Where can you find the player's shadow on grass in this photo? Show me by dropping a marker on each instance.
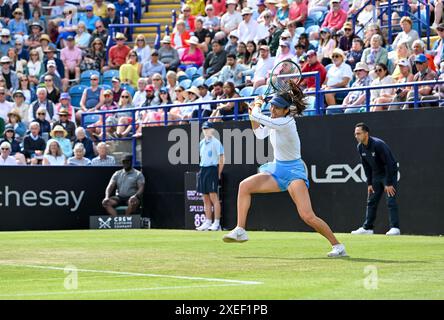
(342, 258)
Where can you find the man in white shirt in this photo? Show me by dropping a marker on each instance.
(231, 19)
(5, 106)
(260, 70)
(248, 28)
(5, 158)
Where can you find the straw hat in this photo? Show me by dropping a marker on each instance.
(58, 128)
(194, 90)
(16, 113)
(193, 40)
(340, 52)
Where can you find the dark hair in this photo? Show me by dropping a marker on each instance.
(383, 66)
(295, 97)
(363, 126)
(262, 42)
(219, 42)
(231, 55)
(359, 40)
(249, 55)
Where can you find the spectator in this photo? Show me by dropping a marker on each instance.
(326, 46)
(193, 95)
(11, 79)
(346, 41)
(21, 53)
(188, 18)
(82, 38)
(285, 53)
(171, 84)
(15, 120)
(5, 42)
(151, 99)
(116, 89)
(400, 94)
(35, 67)
(232, 18)
(215, 60)
(424, 74)
(402, 52)
(192, 56)
(153, 66)
(68, 25)
(96, 57)
(45, 126)
(180, 97)
(100, 8)
(355, 54)
(21, 106)
(142, 49)
(375, 54)
(313, 65)
(9, 137)
(418, 48)
(103, 159)
(407, 35)
(89, 19)
(438, 47)
(275, 36)
(17, 65)
(232, 71)
(17, 26)
(68, 125)
(231, 46)
(129, 185)
(65, 103)
(260, 70)
(5, 106)
(42, 102)
(52, 72)
(168, 55)
(50, 56)
(5, 12)
(225, 111)
(271, 6)
(211, 21)
(217, 90)
(202, 34)
(336, 17)
(100, 32)
(180, 36)
(92, 98)
(252, 54)
(53, 93)
(33, 144)
(5, 158)
(130, 71)
(377, 95)
(370, 31)
(124, 119)
(90, 149)
(59, 134)
(53, 155)
(338, 76)
(24, 7)
(79, 156)
(140, 95)
(248, 28)
(118, 53)
(298, 12)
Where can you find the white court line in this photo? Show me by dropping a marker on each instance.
(112, 290)
(241, 282)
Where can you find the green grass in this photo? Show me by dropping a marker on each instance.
(287, 265)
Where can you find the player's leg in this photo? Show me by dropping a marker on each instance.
(299, 193)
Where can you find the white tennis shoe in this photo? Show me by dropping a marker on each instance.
(238, 234)
(338, 250)
(394, 232)
(215, 227)
(362, 231)
(204, 226)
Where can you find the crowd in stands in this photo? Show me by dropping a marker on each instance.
(219, 49)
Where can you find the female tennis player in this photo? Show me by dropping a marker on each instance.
(287, 172)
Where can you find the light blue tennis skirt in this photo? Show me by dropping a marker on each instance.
(284, 172)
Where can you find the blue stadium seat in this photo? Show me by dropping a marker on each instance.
(105, 86)
(88, 73)
(197, 82)
(90, 119)
(211, 80)
(260, 90)
(128, 88)
(185, 83)
(190, 72)
(76, 95)
(182, 77)
(108, 75)
(200, 71)
(246, 92)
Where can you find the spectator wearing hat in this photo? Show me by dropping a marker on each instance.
(232, 18)
(336, 17)
(215, 60)
(338, 76)
(10, 138)
(438, 46)
(10, 76)
(272, 7)
(17, 26)
(346, 41)
(65, 105)
(5, 155)
(5, 42)
(188, 18)
(168, 55)
(284, 53)
(5, 106)
(232, 71)
(142, 49)
(54, 155)
(354, 55)
(15, 119)
(23, 5)
(59, 134)
(64, 121)
(51, 67)
(79, 158)
(89, 18)
(193, 55)
(153, 66)
(44, 103)
(232, 43)
(50, 55)
(113, 18)
(424, 74)
(212, 21)
(21, 106)
(298, 12)
(33, 144)
(45, 43)
(118, 53)
(282, 11)
(180, 36)
(128, 183)
(129, 72)
(151, 98)
(248, 27)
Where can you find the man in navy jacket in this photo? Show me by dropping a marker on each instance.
(381, 169)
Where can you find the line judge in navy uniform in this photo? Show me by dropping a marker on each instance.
(381, 169)
(211, 166)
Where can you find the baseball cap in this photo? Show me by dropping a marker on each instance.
(111, 6)
(88, 7)
(70, 38)
(149, 87)
(421, 58)
(108, 92)
(264, 47)
(65, 95)
(404, 62)
(115, 79)
(207, 125)
(154, 53)
(311, 53)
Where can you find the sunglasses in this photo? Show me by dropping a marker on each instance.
(23, 79)
(336, 56)
(178, 90)
(359, 70)
(2, 93)
(94, 79)
(125, 97)
(378, 70)
(140, 40)
(157, 79)
(347, 29)
(41, 114)
(4, 149)
(48, 80)
(63, 115)
(5, 36)
(417, 62)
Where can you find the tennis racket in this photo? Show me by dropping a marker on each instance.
(279, 80)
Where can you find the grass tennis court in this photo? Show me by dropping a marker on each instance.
(177, 264)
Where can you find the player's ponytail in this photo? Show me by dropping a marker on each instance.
(296, 98)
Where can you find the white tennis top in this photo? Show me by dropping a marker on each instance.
(283, 134)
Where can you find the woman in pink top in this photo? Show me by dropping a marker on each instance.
(192, 56)
(219, 7)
